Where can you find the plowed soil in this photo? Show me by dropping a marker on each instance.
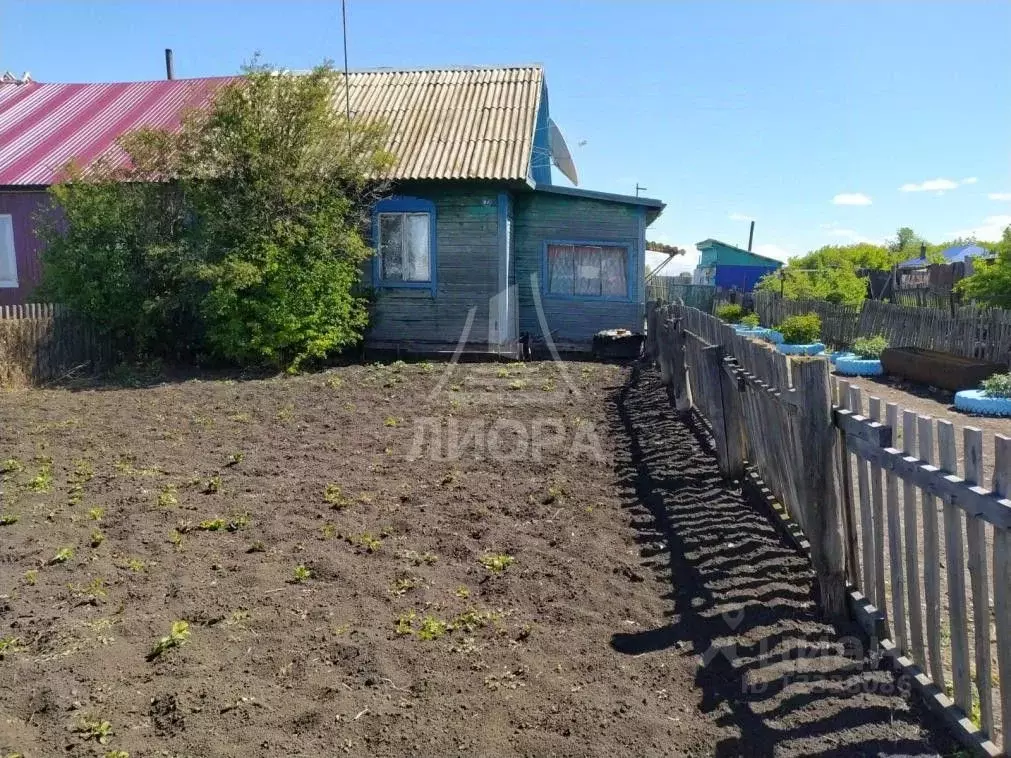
(331, 567)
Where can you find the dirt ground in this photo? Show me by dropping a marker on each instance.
(352, 587)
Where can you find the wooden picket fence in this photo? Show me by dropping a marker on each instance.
(840, 324)
(972, 332)
(941, 622)
(43, 342)
(968, 331)
(839, 475)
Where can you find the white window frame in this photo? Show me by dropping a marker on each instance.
(7, 249)
(403, 249)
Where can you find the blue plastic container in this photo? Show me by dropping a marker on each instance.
(812, 348)
(773, 336)
(977, 401)
(850, 365)
(833, 357)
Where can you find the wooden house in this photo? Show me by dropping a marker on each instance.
(731, 267)
(475, 247)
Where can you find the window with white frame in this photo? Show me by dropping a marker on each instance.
(587, 270)
(405, 247)
(8, 261)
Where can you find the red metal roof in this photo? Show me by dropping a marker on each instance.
(44, 126)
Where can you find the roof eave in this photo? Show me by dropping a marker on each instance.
(611, 197)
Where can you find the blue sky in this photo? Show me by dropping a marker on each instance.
(821, 120)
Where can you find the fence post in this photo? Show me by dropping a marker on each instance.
(678, 370)
(818, 481)
(733, 411)
(665, 349)
(651, 326)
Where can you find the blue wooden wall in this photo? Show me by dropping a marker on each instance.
(468, 244)
(542, 216)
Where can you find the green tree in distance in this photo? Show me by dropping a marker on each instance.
(238, 237)
(990, 283)
(832, 272)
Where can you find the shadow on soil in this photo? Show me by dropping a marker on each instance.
(776, 679)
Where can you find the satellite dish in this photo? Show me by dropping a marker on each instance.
(560, 153)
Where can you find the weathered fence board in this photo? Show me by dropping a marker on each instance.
(776, 412)
(968, 331)
(887, 517)
(979, 575)
(909, 503)
(41, 342)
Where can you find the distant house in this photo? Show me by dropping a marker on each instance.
(475, 246)
(731, 267)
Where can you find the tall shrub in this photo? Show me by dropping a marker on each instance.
(239, 236)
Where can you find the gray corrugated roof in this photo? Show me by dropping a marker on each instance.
(454, 123)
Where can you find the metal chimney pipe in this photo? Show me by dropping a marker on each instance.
(751, 236)
(169, 73)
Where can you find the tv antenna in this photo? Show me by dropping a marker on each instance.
(347, 79)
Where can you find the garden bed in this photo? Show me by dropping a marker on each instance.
(317, 472)
(936, 369)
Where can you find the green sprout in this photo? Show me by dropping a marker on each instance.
(63, 555)
(336, 498)
(178, 634)
(497, 562)
(301, 574)
(432, 628)
(168, 497)
(9, 644)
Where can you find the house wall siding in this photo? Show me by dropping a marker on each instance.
(467, 251)
(22, 206)
(541, 217)
(743, 278)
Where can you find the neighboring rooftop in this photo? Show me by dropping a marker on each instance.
(473, 123)
(44, 126)
(708, 243)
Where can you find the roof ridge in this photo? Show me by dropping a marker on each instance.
(432, 69)
(139, 81)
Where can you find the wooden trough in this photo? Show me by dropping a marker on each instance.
(936, 369)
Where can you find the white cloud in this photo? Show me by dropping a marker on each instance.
(741, 217)
(940, 186)
(851, 198)
(1000, 196)
(989, 231)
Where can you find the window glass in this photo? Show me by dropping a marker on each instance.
(587, 270)
(8, 261)
(391, 245)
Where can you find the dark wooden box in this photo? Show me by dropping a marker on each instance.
(944, 370)
(610, 346)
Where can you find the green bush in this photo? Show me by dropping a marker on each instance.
(732, 313)
(751, 320)
(238, 237)
(869, 347)
(801, 330)
(998, 385)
